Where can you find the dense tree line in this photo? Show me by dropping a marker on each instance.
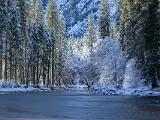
(34, 48)
(32, 42)
(137, 27)
(140, 35)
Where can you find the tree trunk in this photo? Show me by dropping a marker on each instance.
(154, 80)
(15, 73)
(155, 84)
(48, 81)
(37, 75)
(10, 64)
(37, 70)
(53, 65)
(44, 75)
(5, 63)
(27, 74)
(1, 67)
(34, 75)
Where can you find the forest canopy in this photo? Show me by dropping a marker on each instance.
(35, 48)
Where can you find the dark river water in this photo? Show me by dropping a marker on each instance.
(77, 105)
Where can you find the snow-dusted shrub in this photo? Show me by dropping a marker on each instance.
(132, 76)
(80, 65)
(106, 63)
(9, 84)
(74, 61)
(111, 61)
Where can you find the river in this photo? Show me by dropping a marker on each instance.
(77, 105)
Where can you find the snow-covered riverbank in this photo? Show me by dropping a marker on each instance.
(118, 90)
(9, 86)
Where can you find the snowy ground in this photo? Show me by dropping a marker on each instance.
(23, 89)
(9, 86)
(118, 90)
(6, 87)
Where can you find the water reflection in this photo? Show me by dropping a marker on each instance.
(77, 105)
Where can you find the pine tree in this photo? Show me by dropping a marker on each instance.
(139, 34)
(13, 41)
(104, 23)
(131, 22)
(31, 13)
(22, 4)
(126, 28)
(2, 26)
(63, 50)
(90, 35)
(40, 35)
(46, 56)
(52, 17)
(24, 23)
(51, 22)
(37, 40)
(151, 38)
(117, 21)
(159, 40)
(56, 27)
(113, 31)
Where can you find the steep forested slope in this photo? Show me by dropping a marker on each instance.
(76, 13)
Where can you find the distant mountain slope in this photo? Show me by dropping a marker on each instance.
(76, 12)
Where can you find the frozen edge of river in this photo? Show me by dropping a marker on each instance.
(102, 90)
(29, 89)
(42, 88)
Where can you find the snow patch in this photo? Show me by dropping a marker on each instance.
(119, 90)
